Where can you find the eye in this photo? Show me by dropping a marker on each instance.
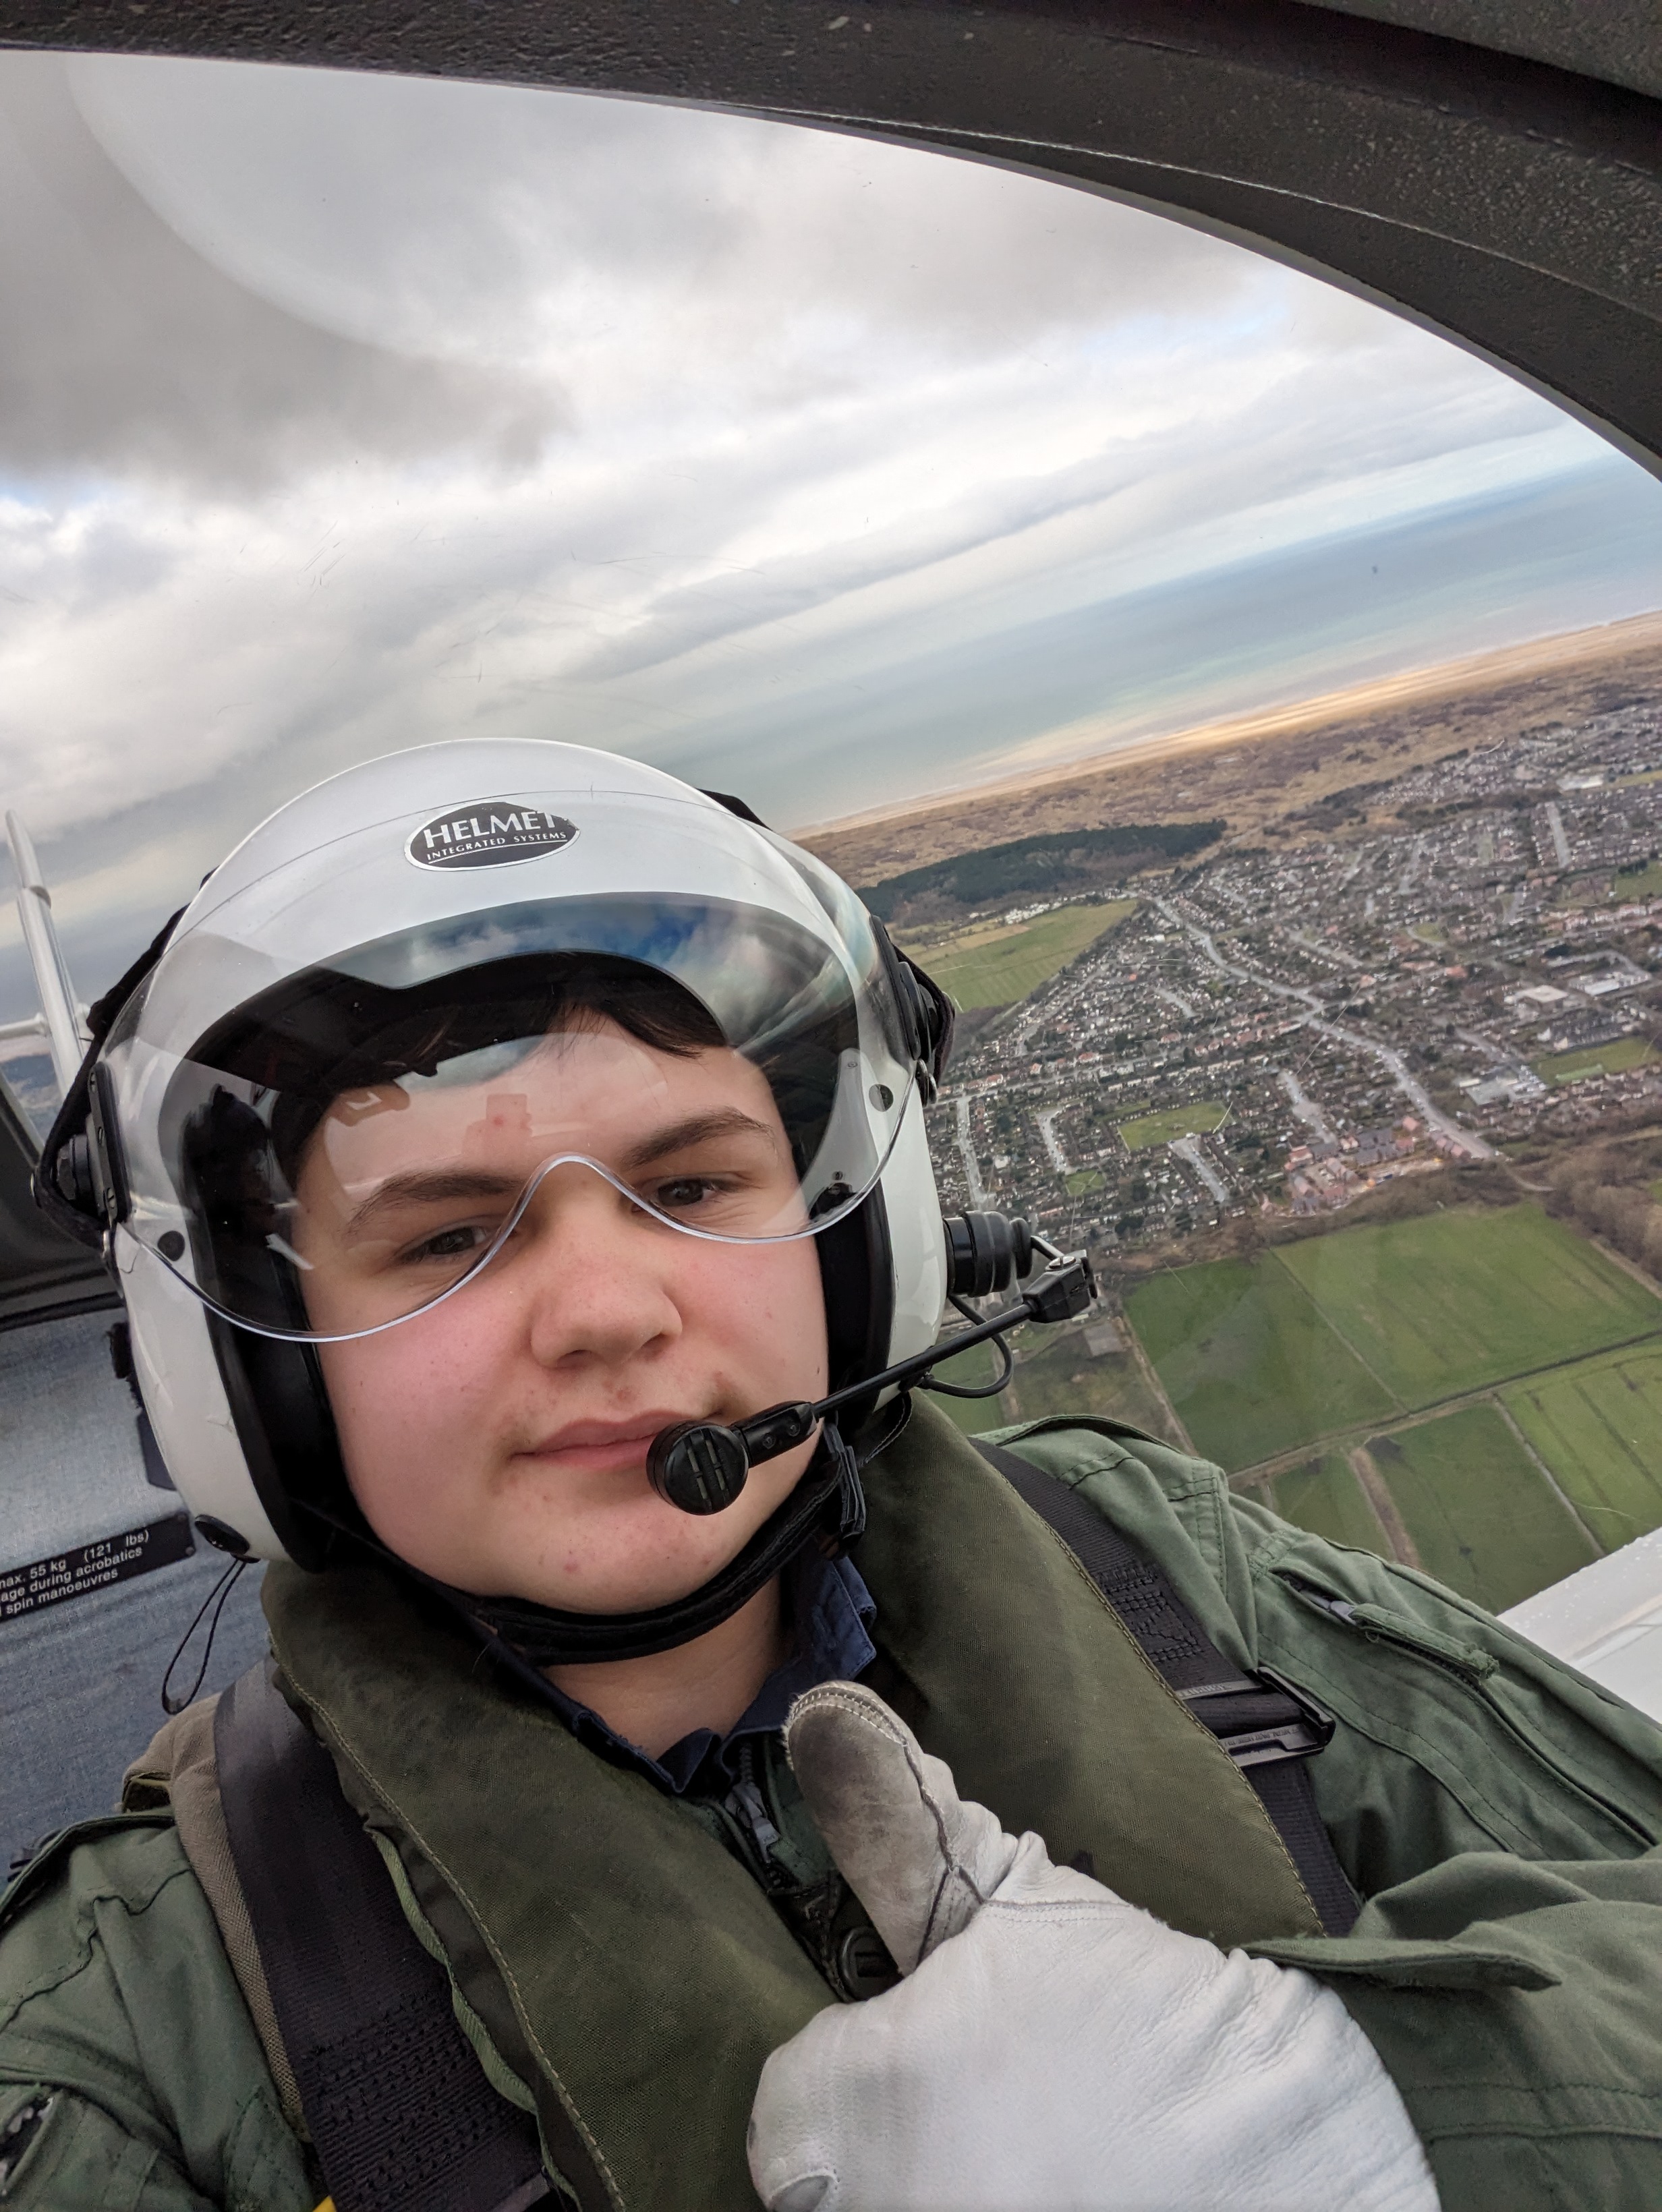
(681, 1192)
(457, 1243)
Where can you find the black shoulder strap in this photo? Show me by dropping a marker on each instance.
(401, 2114)
(1269, 1733)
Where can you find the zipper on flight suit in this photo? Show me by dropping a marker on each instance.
(822, 1912)
(748, 1817)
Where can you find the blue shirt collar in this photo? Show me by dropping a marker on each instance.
(831, 1613)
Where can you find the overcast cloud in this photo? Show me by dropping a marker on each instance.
(341, 413)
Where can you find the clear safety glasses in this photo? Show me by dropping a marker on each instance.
(360, 1139)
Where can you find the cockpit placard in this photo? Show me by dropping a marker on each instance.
(87, 1567)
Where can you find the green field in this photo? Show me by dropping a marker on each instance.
(1061, 1378)
(1083, 1180)
(1197, 1121)
(1642, 883)
(1598, 1427)
(991, 965)
(1341, 1336)
(1325, 1497)
(1458, 1300)
(1613, 1059)
(1247, 1360)
(1482, 1518)
(1259, 1356)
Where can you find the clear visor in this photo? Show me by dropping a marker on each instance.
(358, 1141)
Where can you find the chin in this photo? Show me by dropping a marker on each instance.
(684, 1553)
(627, 1593)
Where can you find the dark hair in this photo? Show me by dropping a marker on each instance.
(322, 1033)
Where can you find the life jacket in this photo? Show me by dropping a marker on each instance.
(615, 1967)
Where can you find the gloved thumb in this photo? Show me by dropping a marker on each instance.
(921, 1860)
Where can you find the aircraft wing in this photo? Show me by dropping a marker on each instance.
(1606, 1621)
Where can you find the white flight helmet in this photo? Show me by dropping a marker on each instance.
(404, 940)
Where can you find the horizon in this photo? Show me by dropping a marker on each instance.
(1349, 702)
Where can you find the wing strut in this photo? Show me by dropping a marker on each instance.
(58, 1021)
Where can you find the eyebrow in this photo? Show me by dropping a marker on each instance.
(697, 1130)
(435, 1186)
(431, 1187)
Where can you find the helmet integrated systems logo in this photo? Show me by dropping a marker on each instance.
(488, 833)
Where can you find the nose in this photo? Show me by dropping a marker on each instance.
(593, 1274)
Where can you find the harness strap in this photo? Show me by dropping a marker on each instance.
(1269, 1732)
(400, 2112)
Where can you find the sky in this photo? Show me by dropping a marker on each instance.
(344, 413)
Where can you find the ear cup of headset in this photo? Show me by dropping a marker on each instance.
(857, 1274)
(924, 1006)
(280, 1406)
(211, 1452)
(934, 1013)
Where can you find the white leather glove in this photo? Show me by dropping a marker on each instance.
(1052, 2049)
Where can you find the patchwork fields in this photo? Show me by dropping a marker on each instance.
(1058, 1376)
(1478, 1513)
(1596, 1427)
(1456, 1301)
(1252, 1368)
(1475, 1392)
(1547, 1355)
(1324, 1494)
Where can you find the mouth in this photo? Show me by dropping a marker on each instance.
(601, 1447)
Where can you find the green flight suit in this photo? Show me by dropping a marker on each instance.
(1502, 1815)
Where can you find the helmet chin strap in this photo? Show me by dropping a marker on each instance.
(526, 1637)
(828, 1500)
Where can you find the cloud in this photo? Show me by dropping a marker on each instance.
(125, 351)
(348, 413)
(479, 220)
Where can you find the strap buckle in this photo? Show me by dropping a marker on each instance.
(1260, 1720)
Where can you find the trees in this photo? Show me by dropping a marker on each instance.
(1608, 1188)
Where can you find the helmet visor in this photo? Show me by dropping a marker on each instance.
(358, 1140)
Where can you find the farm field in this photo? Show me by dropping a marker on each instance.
(1197, 1121)
(994, 965)
(1596, 1427)
(1247, 1360)
(1458, 1300)
(1064, 1378)
(1613, 1059)
(1325, 1497)
(1061, 1378)
(1483, 1517)
(1259, 1358)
